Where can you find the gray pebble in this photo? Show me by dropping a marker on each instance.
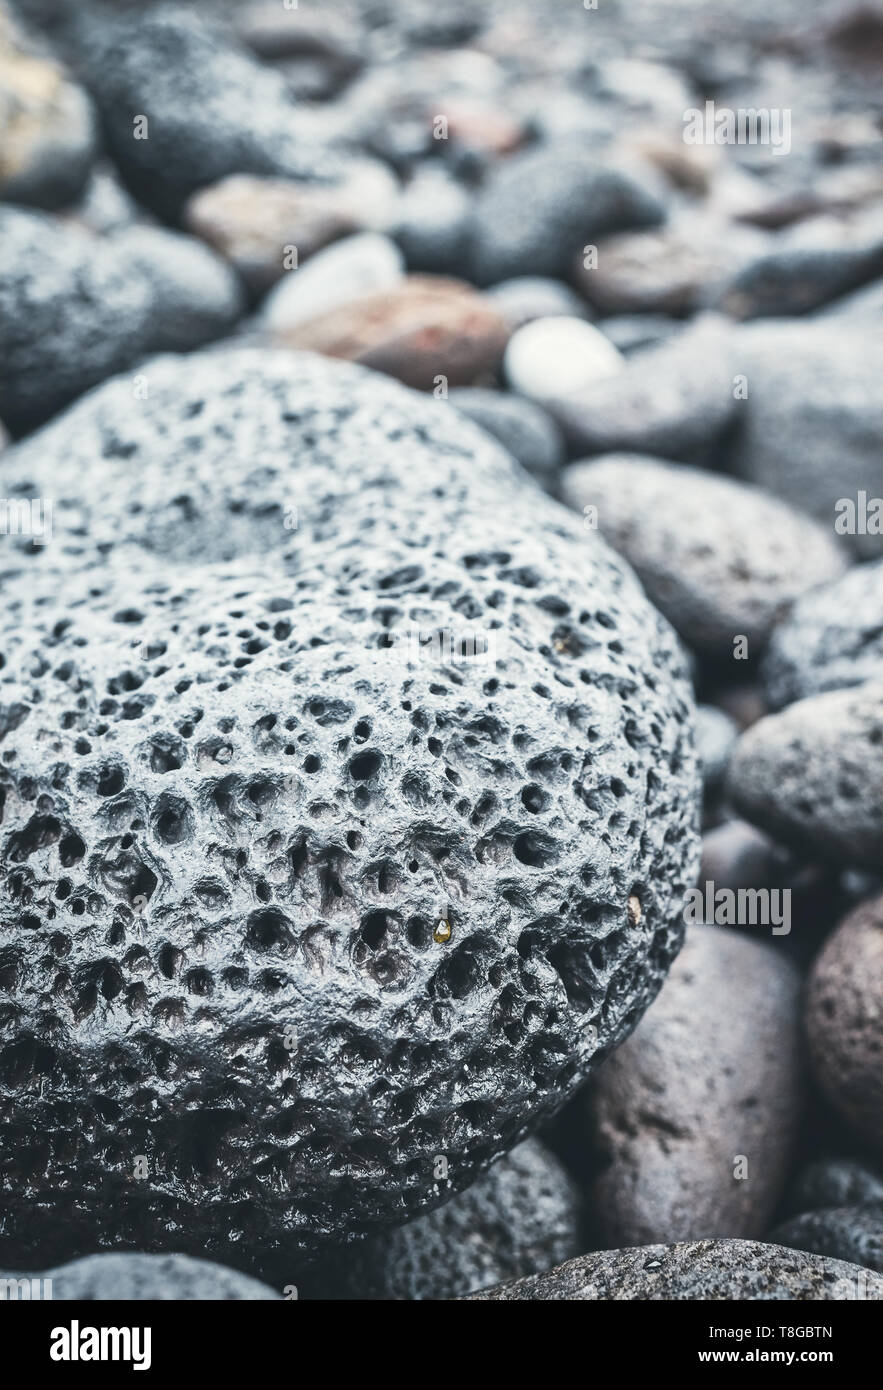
(834, 1182)
(522, 427)
(844, 1233)
(152, 1278)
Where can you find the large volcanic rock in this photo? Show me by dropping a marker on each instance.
(242, 789)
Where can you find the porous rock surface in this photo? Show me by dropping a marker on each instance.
(521, 1217)
(237, 802)
(833, 637)
(702, 1269)
(132, 1277)
(846, 1233)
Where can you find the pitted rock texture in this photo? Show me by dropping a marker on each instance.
(832, 638)
(697, 1084)
(151, 1278)
(844, 1020)
(719, 559)
(75, 308)
(702, 1269)
(211, 108)
(521, 1217)
(845, 1233)
(812, 775)
(236, 805)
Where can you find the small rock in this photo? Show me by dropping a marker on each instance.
(832, 638)
(737, 855)
(421, 331)
(719, 1270)
(865, 303)
(530, 435)
(273, 31)
(844, 1233)
(632, 332)
(154, 1278)
(844, 1016)
(813, 396)
(667, 271)
(810, 265)
(719, 559)
(674, 401)
(432, 223)
(105, 205)
(554, 357)
(521, 1217)
(75, 308)
(47, 128)
(539, 208)
(210, 108)
(811, 775)
(532, 297)
(716, 735)
(254, 222)
(834, 1182)
(682, 1102)
(358, 266)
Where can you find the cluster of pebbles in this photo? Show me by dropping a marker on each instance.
(441, 652)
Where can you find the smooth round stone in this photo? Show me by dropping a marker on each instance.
(673, 401)
(811, 775)
(48, 132)
(532, 297)
(240, 560)
(255, 222)
(522, 427)
(75, 308)
(716, 735)
(276, 32)
(808, 266)
(540, 207)
(521, 1217)
(431, 223)
(659, 1114)
(712, 1270)
(632, 332)
(835, 1182)
(556, 356)
(665, 271)
(154, 1278)
(844, 1233)
(737, 855)
(719, 559)
(359, 266)
(813, 397)
(427, 332)
(832, 638)
(844, 1019)
(212, 109)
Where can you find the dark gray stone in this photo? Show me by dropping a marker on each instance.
(265, 800)
(834, 1182)
(844, 1233)
(530, 297)
(844, 1021)
(522, 427)
(714, 1270)
(671, 1112)
(716, 735)
(813, 397)
(719, 559)
(75, 309)
(539, 208)
(521, 1217)
(811, 775)
(674, 401)
(212, 109)
(832, 638)
(153, 1278)
(432, 224)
